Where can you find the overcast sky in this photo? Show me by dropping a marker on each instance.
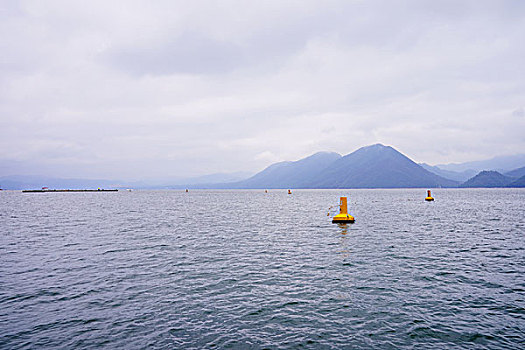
(160, 89)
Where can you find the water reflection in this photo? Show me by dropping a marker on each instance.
(344, 228)
(344, 241)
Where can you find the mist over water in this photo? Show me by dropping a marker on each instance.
(248, 269)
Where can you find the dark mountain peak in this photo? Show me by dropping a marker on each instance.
(373, 154)
(488, 178)
(375, 146)
(489, 173)
(378, 147)
(377, 166)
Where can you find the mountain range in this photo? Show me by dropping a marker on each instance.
(460, 176)
(375, 166)
(501, 164)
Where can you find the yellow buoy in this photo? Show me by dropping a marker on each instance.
(429, 197)
(289, 192)
(343, 217)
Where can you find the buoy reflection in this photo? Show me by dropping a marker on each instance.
(344, 228)
(344, 241)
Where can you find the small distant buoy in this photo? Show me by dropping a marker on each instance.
(429, 197)
(265, 191)
(343, 217)
(187, 190)
(289, 192)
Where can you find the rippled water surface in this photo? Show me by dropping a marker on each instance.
(248, 269)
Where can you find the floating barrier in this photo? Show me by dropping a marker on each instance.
(429, 197)
(343, 217)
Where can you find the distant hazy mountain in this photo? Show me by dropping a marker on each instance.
(516, 173)
(518, 183)
(377, 166)
(215, 178)
(448, 174)
(24, 182)
(289, 174)
(501, 163)
(488, 179)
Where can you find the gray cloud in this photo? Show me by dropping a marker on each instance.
(519, 112)
(140, 89)
(188, 54)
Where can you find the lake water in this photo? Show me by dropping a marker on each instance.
(250, 270)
